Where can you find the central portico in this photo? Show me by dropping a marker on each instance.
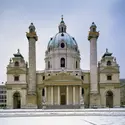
(62, 89)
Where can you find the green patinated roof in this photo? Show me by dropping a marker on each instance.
(69, 40)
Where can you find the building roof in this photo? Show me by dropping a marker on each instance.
(122, 82)
(68, 40)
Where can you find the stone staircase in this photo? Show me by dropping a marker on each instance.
(63, 107)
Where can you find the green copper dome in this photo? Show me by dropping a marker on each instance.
(62, 37)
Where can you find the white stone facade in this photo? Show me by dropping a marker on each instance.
(63, 82)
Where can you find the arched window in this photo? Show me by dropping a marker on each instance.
(62, 29)
(16, 63)
(94, 30)
(43, 77)
(48, 64)
(76, 65)
(82, 77)
(62, 62)
(108, 63)
(43, 92)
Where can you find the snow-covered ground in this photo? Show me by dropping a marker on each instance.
(63, 117)
(67, 120)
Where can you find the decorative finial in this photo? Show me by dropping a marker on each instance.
(31, 28)
(10, 60)
(18, 51)
(106, 50)
(62, 17)
(26, 64)
(62, 26)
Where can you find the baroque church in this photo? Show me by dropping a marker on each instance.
(63, 84)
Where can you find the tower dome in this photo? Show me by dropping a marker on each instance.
(62, 38)
(62, 51)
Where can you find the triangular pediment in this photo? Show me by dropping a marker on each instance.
(109, 70)
(16, 71)
(62, 77)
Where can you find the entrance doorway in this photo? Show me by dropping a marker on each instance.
(109, 99)
(63, 100)
(63, 95)
(16, 100)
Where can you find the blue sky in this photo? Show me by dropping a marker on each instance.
(16, 16)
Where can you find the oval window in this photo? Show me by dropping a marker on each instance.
(62, 45)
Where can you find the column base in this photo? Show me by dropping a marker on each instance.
(94, 100)
(82, 106)
(9, 107)
(31, 102)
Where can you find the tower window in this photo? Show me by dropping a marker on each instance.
(43, 92)
(82, 77)
(48, 64)
(62, 62)
(82, 91)
(62, 45)
(62, 29)
(109, 77)
(76, 65)
(43, 77)
(16, 63)
(108, 63)
(16, 78)
(93, 29)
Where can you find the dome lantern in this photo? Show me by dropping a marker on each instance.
(62, 26)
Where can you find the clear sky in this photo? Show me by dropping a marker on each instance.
(16, 16)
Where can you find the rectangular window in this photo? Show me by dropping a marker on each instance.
(109, 77)
(16, 78)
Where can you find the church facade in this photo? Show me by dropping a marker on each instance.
(63, 84)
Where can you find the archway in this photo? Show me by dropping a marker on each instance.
(16, 100)
(109, 99)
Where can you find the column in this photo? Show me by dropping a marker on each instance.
(80, 91)
(73, 95)
(80, 94)
(58, 95)
(52, 95)
(67, 95)
(45, 94)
